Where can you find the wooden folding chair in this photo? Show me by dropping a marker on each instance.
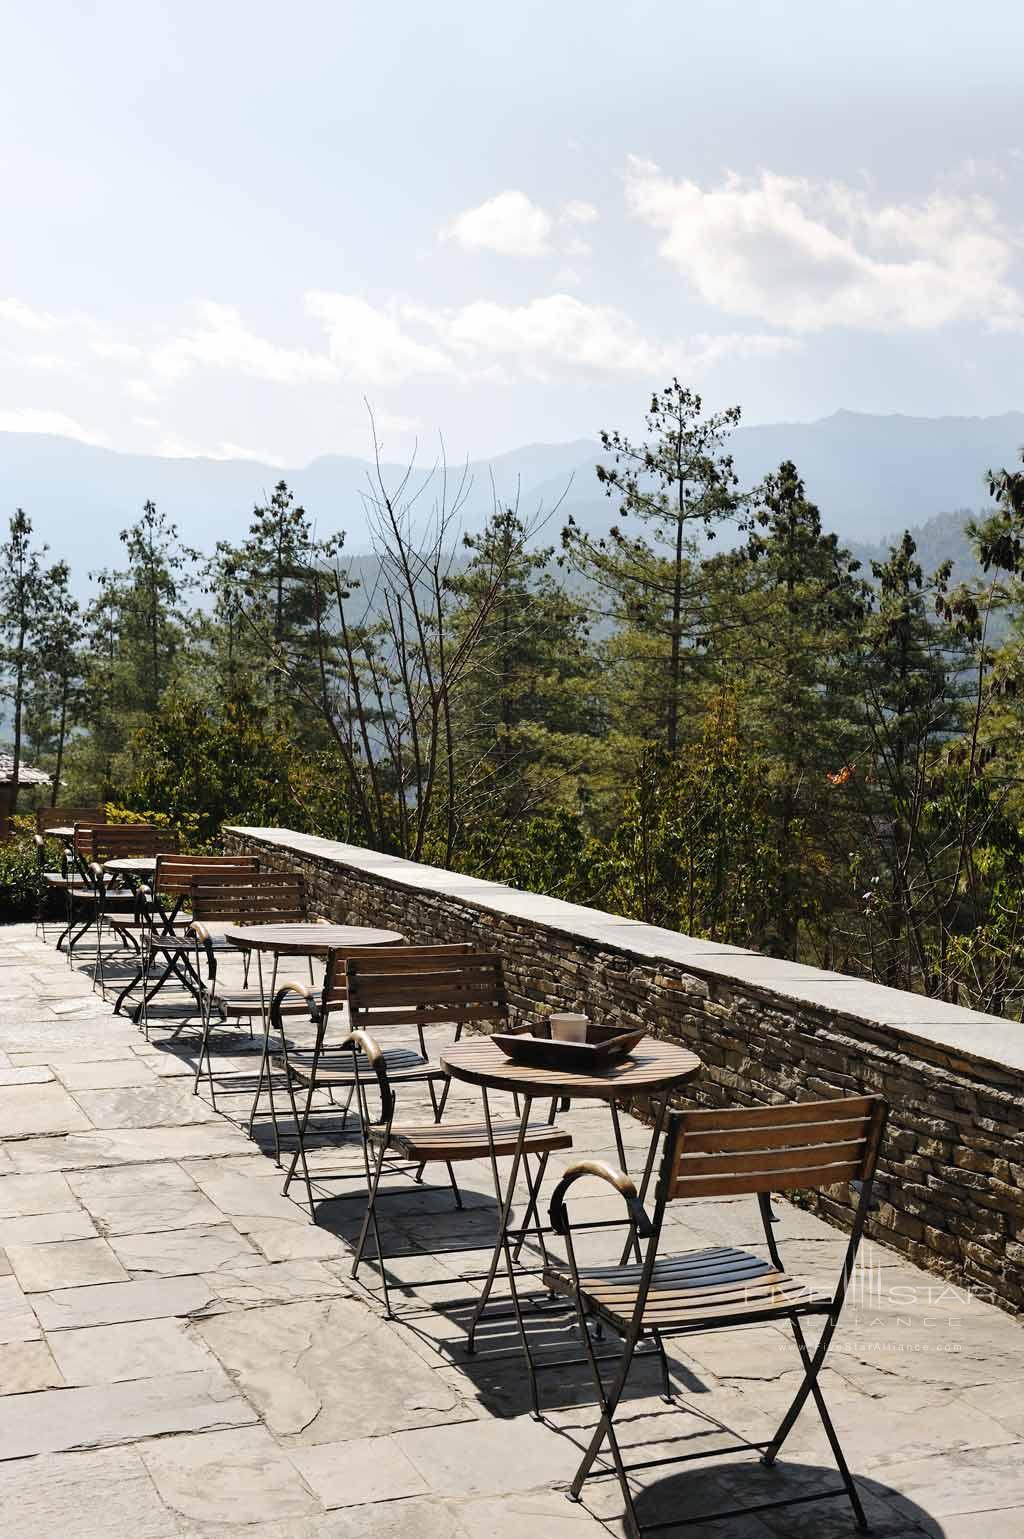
(419, 1144)
(220, 898)
(162, 926)
(807, 1146)
(88, 887)
(397, 989)
(67, 817)
(119, 905)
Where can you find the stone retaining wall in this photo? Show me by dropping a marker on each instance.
(951, 1178)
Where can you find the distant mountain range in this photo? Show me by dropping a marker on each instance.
(871, 476)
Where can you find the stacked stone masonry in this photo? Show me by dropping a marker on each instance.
(951, 1177)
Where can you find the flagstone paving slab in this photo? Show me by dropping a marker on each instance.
(277, 1282)
(26, 1366)
(111, 1303)
(142, 1146)
(324, 1371)
(22, 1196)
(135, 1200)
(363, 1470)
(40, 1228)
(293, 1242)
(140, 1349)
(105, 1495)
(64, 1264)
(143, 1106)
(39, 1074)
(179, 1252)
(28, 1110)
(59, 1419)
(18, 1320)
(237, 1477)
(105, 1074)
(489, 1456)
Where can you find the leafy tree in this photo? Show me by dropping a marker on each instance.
(152, 619)
(526, 715)
(55, 672)
(20, 598)
(679, 484)
(797, 605)
(266, 599)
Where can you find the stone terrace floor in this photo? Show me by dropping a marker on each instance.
(183, 1354)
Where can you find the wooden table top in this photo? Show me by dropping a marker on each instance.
(132, 865)
(308, 940)
(651, 1067)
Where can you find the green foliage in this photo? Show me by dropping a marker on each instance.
(19, 880)
(758, 746)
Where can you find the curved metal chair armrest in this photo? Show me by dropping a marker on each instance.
(202, 937)
(304, 990)
(362, 1042)
(622, 1183)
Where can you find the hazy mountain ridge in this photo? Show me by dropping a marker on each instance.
(871, 476)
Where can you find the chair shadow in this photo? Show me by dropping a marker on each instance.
(695, 1493)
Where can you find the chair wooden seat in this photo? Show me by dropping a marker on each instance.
(110, 897)
(250, 1002)
(754, 1150)
(696, 1288)
(335, 1068)
(468, 1140)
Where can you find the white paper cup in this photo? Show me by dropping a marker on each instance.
(569, 1028)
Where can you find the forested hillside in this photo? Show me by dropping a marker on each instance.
(712, 717)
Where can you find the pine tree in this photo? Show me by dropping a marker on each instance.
(527, 713)
(679, 484)
(797, 606)
(55, 671)
(20, 598)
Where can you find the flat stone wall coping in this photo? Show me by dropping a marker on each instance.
(985, 1039)
(951, 1172)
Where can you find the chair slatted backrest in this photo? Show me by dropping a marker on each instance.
(418, 986)
(400, 959)
(772, 1148)
(67, 817)
(124, 841)
(174, 873)
(249, 897)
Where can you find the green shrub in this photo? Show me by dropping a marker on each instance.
(19, 880)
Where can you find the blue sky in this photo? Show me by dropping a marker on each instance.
(228, 224)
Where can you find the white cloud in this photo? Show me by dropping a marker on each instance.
(18, 314)
(229, 451)
(576, 211)
(508, 223)
(368, 345)
(117, 352)
(172, 446)
(806, 255)
(27, 419)
(394, 422)
(555, 329)
(221, 340)
(141, 390)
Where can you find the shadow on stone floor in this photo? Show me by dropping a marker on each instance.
(697, 1491)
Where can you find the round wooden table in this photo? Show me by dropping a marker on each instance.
(654, 1068)
(651, 1069)
(307, 940)
(294, 940)
(134, 867)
